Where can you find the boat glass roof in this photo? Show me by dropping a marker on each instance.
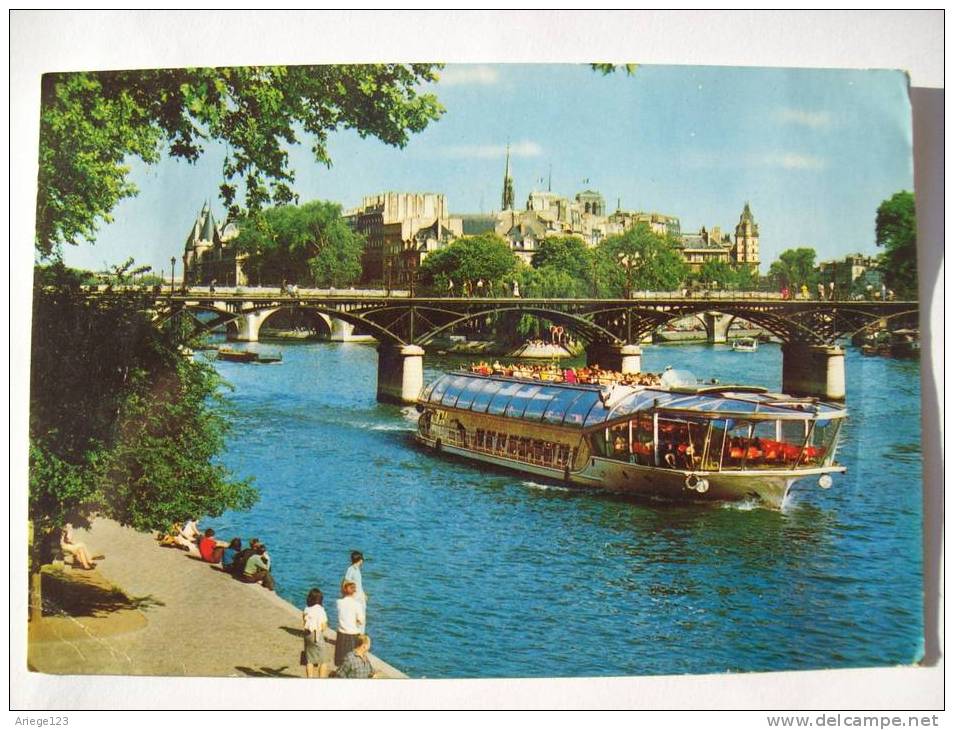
(586, 406)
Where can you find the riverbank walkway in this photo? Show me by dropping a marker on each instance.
(195, 620)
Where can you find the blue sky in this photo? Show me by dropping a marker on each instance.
(813, 151)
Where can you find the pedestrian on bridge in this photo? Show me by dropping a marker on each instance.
(821, 291)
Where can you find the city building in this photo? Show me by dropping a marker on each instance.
(854, 272)
(401, 229)
(210, 253)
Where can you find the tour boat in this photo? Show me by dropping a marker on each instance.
(905, 343)
(714, 442)
(227, 353)
(745, 344)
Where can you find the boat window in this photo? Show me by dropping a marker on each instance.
(598, 443)
(736, 444)
(642, 445)
(681, 442)
(558, 407)
(474, 386)
(618, 442)
(520, 400)
(482, 399)
(538, 404)
(598, 414)
(454, 390)
(636, 402)
(440, 387)
(576, 413)
(820, 440)
(499, 402)
(426, 392)
(717, 441)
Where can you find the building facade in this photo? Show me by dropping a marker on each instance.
(210, 254)
(401, 229)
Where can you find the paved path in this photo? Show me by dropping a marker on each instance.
(199, 621)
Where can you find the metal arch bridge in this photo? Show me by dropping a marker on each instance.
(401, 320)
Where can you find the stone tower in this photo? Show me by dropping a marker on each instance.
(746, 249)
(507, 199)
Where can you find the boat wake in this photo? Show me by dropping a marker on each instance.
(545, 487)
(746, 505)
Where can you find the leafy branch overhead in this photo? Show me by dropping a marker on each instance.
(93, 123)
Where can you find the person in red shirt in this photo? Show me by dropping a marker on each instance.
(211, 549)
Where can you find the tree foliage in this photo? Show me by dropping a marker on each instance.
(306, 244)
(794, 268)
(467, 261)
(639, 259)
(896, 231)
(93, 123)
(120, 422)
(727, 276)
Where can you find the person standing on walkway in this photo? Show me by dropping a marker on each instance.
(350, 622)
(357, 665)
(315, 621)
(353, 575)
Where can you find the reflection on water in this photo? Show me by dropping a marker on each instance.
(474, 572)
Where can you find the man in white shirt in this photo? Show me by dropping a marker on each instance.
(353, 575)
(350, 621)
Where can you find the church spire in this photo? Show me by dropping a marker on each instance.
(507, 199)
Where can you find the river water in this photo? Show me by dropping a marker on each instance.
(480, 573)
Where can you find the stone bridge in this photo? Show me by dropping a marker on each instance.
(810, 330)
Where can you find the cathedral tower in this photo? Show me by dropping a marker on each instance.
(507, 199)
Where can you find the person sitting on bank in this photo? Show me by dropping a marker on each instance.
(315, 621)
(189, 535)
(78, 550)
(350, 622)
(230, 553)
(210, 549)
(356, 664)
(256, 571)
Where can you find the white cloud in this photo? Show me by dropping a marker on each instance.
(793, 161)
(803, 117)
(489, 151)
(460, 75)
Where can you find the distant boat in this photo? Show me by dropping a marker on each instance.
(905, 343)
(266, 359)
(745, 344)
(227, 353)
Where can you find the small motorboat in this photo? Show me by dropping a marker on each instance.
(227, 353)
(745, 344)
(268, 359)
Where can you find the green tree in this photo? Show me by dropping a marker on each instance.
(794, 268)
(470, 260)
(93, 123)
(639, 259)
(120, 422)
(310, 244)
(896, 231)
(717, 272)
(550, 282)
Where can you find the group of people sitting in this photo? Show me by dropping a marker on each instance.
(251, 564)
(593, 374)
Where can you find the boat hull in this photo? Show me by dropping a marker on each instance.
(768, 488)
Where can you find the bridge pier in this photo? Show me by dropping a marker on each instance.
(610, 356)
(717, 327)
(814, 370)
(250, 323)
(400, 373)
(342, 331)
